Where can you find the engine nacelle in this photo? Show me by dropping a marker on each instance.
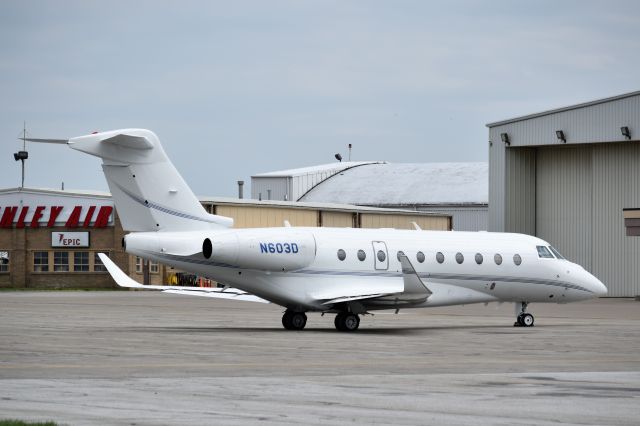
(264, 250)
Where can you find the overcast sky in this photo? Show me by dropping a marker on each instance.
(237, 88)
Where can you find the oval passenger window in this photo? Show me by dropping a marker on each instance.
(342, 255)
(420, 257)
(517, 259)
(381, 256)
(459, 258)
(440, 257)
(479, 259)
(361, 255)
(498, 259)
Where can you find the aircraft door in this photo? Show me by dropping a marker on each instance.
(380, 255)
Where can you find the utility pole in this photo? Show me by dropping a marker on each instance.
(22, 155)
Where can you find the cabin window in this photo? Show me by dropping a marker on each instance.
(517, 259)
(361, 255)
(544, 252)
(342, 255)
(498, 259)
(439, 257)
(381, 256)
(479, 259)
(420, 257)
(459, 258)
(558, 255)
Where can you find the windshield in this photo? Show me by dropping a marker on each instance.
(544, 252)
(558, 255)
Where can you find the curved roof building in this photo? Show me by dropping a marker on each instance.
(458, 189)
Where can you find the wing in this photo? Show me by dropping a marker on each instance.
(123, 280)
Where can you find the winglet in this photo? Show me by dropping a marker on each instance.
(412, 281)
(122, 279)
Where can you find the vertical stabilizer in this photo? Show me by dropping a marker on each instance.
(148, 191)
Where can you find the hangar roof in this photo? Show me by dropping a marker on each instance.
(563, 109)
(406, 184)
(322, 168)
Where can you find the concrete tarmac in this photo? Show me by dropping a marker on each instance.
(144, 358)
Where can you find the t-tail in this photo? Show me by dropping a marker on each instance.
(148, 192)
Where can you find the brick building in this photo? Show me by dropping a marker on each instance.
(49, 239)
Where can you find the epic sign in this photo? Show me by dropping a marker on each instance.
(17, 216)
(69, 239)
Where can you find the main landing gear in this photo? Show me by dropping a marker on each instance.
(347, 321)
(523, 319)
(292, 320)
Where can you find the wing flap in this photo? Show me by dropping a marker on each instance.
(123, 280)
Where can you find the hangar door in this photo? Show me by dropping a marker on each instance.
(580, 193)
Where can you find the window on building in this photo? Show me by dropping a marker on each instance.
(498, 259)
(154, 268)
(41, 261)
(362, 255)
(60, 261)
(138, 265)
(81, 261)
(459, 258)
(517, 259)
(98, 266)
(544, 252)
(342, 255)
(479, 258)
(420, 257)
(439, 257)
(4, 261)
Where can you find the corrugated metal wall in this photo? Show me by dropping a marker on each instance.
(564, 200)
(616, 185)
(463, 218)
(337, 219)
(372, 220)
(520, 190)
(259, 217)
(279, 186)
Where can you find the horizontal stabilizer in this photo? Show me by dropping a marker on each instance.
(61, 141)
(129, 141)
(123, 280)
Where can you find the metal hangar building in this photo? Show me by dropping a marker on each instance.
(456, 189)
(569, 176)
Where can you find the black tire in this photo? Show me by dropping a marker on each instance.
(286, 320)
(338, 321)
(519, 321)
(527, 320)
(349, 322)
(298, 320)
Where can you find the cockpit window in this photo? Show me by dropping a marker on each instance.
(544, 252)
(558, 255)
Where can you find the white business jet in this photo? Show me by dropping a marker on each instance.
(349, 272)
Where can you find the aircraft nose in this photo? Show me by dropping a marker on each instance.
(597, 287)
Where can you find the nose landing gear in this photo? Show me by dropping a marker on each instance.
(523, 319)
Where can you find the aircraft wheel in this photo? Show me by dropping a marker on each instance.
(526, 320)
(346, 321)
(298, 320)
(338, 321)
(286, 320)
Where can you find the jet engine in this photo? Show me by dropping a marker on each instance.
(269, 251)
